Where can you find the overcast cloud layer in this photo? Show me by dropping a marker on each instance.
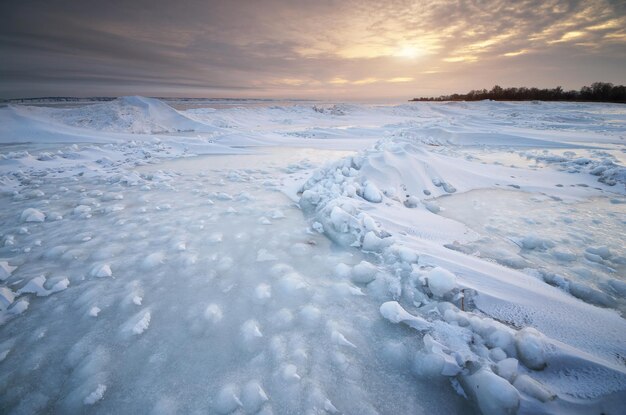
(306, 49)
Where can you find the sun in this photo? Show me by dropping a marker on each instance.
(408, 51)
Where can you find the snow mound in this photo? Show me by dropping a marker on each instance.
(133, 114)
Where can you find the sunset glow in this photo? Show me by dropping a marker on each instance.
(275, 48)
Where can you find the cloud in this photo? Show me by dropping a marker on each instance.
(279, 48)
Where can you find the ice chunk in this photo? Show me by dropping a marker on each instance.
(530, 346)
(142, 324)
(227, 400)
(35, 286)
(441, 281)
(19, 307)
(6, 270)
(82, 211)
(340, 339)
(372, 243)
(342, 271)
(507, 369)
(60, 285)
(250, 330)
(96, 395)
(364, 273)
(32, 215)
(289, 372)
(428, 364)
(493, 394)
(213, 313)
(371, 193)
(412, 202)
(393, 311)
(531, 387)
(101, 271)
(6, 297)
(253, 397)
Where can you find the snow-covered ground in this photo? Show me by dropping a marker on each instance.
(313, 258)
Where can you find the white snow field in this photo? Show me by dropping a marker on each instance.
(422, 258)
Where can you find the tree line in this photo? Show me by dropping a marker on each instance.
(597, 92)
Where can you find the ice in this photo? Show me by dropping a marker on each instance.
(339, 339)
(213, 313)
(363, 273)
(371, 193)
(153, 260)
(6, 297)
(530, 348)
(441, 281)
(250, 330)
(533, 388)
(291, 259)
(507, 369)
(227, 400)
(101, 271)
(140, 323)
(493, 394)
(32, 215)
(96, 395)
(394, 312)
(253, 397)
(6, 270)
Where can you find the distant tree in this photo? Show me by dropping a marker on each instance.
(598, 92)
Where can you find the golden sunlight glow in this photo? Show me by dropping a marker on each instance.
(338, 81)
(611, 24)
(400, 79)
(369, 53)
(365, 81)
(569, 36)
(517, 53)
(616, 36)
(467, 58)
(408, 51)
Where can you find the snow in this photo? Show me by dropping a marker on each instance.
(441, 281)
(327, 258)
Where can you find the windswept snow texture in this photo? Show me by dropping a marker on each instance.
(427, 258)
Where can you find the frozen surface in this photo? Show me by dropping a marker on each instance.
(424, 258)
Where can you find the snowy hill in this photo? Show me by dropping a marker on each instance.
(133, 115)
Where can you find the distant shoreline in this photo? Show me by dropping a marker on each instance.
(598, 92)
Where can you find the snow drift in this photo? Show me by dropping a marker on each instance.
(134, 115)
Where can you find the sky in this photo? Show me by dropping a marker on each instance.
(318, 49)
